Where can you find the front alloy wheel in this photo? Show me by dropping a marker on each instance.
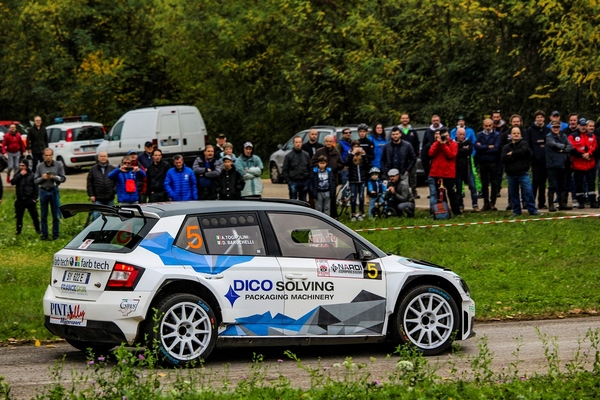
(427, 318)
(186, 330)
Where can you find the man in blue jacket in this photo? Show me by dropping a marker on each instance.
(487, 155)
(180, 182)
(125, 178)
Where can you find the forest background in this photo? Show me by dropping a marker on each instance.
(262, 70)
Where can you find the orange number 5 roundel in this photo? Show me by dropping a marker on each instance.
(193, 236)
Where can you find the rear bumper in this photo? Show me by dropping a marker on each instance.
(95, 331)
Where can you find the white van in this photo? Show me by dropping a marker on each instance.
(173, 129)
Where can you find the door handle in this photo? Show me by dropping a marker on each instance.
(296, 276)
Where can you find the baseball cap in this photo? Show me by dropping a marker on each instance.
(582, 121)
(227, 157)
(148, 144)
(132, 151)
(393, 172)
(555, 114)
(460, 117)
(248, 144)
(555, 123)
(221, 136)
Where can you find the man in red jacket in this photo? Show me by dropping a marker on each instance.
(583, 163)
(443, 154)
(13, 149)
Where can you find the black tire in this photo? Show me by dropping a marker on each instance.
(186, 329)
(427, 318)
(274, 174)
(97, 348)
(66, 169)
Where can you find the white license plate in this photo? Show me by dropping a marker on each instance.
(76, 276)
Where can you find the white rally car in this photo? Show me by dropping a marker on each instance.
(193, 275)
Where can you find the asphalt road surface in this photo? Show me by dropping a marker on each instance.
(27, 368)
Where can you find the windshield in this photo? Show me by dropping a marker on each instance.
(112, 233)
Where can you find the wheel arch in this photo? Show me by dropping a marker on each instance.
(419, 280)
(175, 286)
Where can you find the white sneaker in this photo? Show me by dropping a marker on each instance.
(360, 217)
(353, 219)
(575, 204)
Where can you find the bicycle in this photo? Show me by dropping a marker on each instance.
(342, 199)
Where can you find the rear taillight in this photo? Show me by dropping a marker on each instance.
(69, 135)
(124, 276)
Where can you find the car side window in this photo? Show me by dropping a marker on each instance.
(54, 135)
(309, 236)
(231, 234)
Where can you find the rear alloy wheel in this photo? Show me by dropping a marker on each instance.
(427, 318)
(186, 331)
(275, 175)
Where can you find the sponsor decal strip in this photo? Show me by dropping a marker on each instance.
(504, 221)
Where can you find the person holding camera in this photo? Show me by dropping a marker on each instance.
(49, 175)
(125, 178)
(443, 154)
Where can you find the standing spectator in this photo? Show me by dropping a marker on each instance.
(516, 157)
(366, 144)
(375, 190)
(221, 140)
(464, 172)
(558, 149)
(100, 188)
(572, 128)
(443, 154)
(379, 140)
(322, 186)
(499, 124)
(313, 144)
(250, 167)
(230, 182)
(155, 178)
(358, 173)
(471, 137)
(583, 163)
(428, 140)
(398, 195)
(505, 138)
(145, 157)
(555, 116)
(296, 171)
(141, 180)
(12, 148)
(37, 141)
(49, 175)
(487, 154)
(125, 178)
(334, 161)
(410, 135)
(228, 151)
(180, 182)
(344, 147)
(398, 154)
(536, 137)
(207, 168)
(27, 195)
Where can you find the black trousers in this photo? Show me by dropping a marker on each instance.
(558, 179)
(488, 173)
(31, 206)
(539, 176)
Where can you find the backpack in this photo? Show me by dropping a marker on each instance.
(440, 209)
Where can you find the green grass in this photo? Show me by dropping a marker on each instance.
(522, 271)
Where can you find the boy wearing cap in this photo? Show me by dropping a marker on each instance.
(229, 183)
(250, 166)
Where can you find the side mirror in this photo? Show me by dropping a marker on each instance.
(365, 255)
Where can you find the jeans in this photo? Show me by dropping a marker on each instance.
(372, 203)
(49, 198)
(323, 202)
(96, 214)
(357, 189)
(13, 163)
(470, 181)
(298, 189)
(521, 181)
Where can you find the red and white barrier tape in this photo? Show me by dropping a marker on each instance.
(503, 221)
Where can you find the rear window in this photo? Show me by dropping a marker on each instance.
(88, 133)
(112, 233)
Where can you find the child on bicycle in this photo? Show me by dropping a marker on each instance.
(375, 190)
